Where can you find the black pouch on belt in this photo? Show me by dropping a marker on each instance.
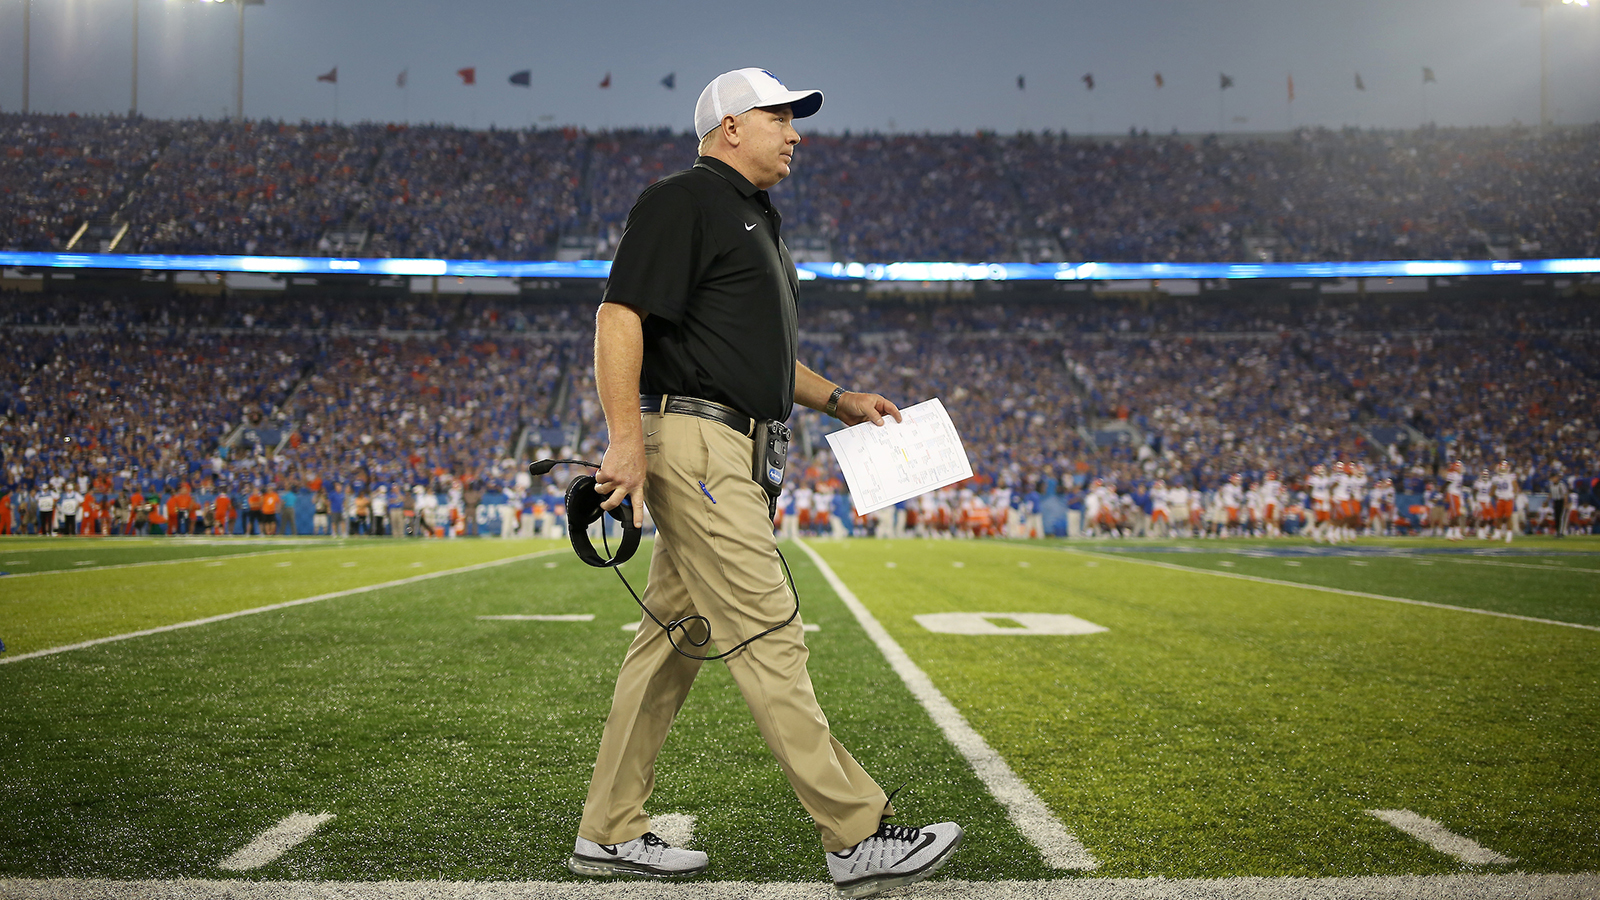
(771, 458)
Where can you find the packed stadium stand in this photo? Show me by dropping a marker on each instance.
(139, 185)
(237, 391)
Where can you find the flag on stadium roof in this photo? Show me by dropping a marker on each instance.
(469, 75)
(1291, 88)
(1160, 82)
(331, 76)
(400, 80)
(1427, 75)
(1360, 85)
(1022, 83)
(1226, 82)
(1088, 80)
(523, 78)
(606, 81)
(671, 81)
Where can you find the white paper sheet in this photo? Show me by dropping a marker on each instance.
(898, 460)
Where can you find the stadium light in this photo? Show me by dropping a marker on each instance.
(1544, 61)
(238, 94)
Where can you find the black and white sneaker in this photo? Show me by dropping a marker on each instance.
(894, 857)
(646, 856)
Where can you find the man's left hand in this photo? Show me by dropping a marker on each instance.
(855, 408)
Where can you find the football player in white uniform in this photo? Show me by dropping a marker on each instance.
(1343, 512)
(1231, 496)
(1483, 495)
(1505, 499)
(1320, 484)
(1272, 504)
(1160, 510)
(1181, 500)
(1455, 496)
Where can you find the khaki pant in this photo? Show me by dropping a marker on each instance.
(715, 556)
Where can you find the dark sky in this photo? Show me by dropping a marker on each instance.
(927, 65)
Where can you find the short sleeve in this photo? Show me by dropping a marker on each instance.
(656, 264)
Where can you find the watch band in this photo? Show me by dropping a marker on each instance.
(832, 409)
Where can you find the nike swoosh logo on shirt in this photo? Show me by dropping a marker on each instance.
(749, 227)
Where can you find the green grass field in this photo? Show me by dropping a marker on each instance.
(1219, 726)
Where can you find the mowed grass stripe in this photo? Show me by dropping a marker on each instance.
(1516, 565)
(449, 748)
(19, 556)
(1194, 565)
(1226, 727)
(41, 613)
(273, 607)
(75, 569)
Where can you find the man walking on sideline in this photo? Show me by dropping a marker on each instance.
(695, 347)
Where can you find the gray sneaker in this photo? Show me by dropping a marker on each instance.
(894, 857)
(645, 856)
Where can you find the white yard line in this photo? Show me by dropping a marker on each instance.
(285, 605)
(289, 833)
(1376, 887)
(1327, 590)
(1441, 838)
(135, 565)
(1035, 820)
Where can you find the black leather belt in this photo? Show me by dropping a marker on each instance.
(705, 409)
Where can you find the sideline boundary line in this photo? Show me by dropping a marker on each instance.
(49, 651)
(1317, 587)
(1362, 887)
(1058, 846)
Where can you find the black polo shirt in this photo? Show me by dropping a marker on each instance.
(702, 255)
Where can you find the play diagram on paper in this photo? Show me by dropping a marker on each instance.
(885, 464)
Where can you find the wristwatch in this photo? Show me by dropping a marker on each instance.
(832, 409)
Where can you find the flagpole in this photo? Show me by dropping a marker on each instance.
(133, 105)
(27, 48)
(238, 95)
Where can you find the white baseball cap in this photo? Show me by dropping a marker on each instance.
(736, 93)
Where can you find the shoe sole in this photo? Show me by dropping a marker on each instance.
(870, 886)
(597, 868)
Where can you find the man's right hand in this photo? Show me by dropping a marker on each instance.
(621, 477)
(618, 357)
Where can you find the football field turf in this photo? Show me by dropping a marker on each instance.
(1224, 711)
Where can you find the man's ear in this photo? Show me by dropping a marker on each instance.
(730, 130)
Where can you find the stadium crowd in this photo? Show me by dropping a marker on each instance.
(428, 191)
(304, 398)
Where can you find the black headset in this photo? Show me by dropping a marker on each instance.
(583, 509)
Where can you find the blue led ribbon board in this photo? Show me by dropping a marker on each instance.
(900, 271)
